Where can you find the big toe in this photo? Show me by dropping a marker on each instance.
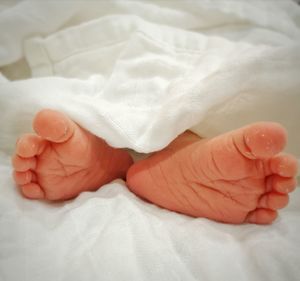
(53, 125)
(261, 140)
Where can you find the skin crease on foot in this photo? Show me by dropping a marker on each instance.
(237, 177)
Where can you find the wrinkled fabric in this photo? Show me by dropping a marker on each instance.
(111, 234)
(138, 73)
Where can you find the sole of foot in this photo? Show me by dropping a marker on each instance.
(237, 177)
(62, 159)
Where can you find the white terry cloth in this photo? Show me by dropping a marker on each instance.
(146, 83)
(112, 235)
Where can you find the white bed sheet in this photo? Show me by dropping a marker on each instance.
(111, 234)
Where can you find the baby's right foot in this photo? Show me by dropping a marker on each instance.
(62, 159)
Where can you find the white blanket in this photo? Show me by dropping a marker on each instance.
(138, 73)
(151, 71)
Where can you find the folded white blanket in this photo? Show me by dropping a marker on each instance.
(155, 70)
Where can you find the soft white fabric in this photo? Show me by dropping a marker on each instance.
(113, 235)
(2, 78)
(30, 18)
(150, 72)
(138, 74)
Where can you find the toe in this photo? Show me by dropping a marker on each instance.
(23, 164)
(273, 201)
(53, 125)
(284, 165)
(281, 184)
(22, 177)
(261, 140)
(261, 216)
(32, 191)
(30, 145)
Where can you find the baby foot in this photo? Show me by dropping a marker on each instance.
(236, 177)
(62, 159)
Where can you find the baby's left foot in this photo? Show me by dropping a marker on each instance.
(236, 177)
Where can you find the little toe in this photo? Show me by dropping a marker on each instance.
(32, 191)
(261, 140)
(53, 125)
(261, 216)
(30, 145)
(273, 201)
(281, 184)
(23, 164)
(284, 165)
(22, 178)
